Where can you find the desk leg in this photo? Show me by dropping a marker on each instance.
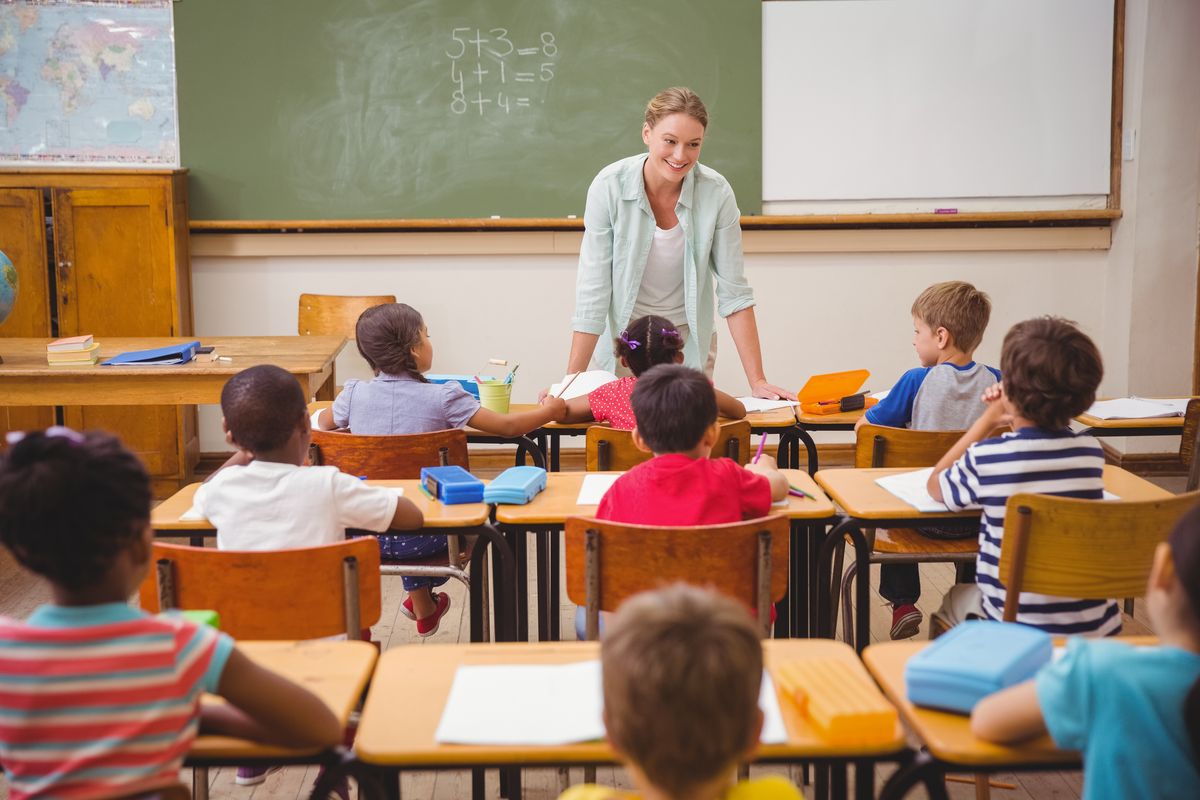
(503, 579)
(199, 783)
(526, 446)
(555, 571)
(545, 610)
(555, 451)
(862, 556)
(922, 769)
(328, 389)
(864, 780)
(837, 781)
(517, 540)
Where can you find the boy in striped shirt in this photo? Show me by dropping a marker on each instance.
(97, 698)
(1051, 371)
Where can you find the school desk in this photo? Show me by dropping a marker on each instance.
(467, 519)
(801, 433)
(547, 513)
(866, 504)
(26, 379)
(335, 671)
(949, 744)
(1155, 426)
(401, 714)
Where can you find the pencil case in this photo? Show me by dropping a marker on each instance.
(973, 660)
(852, 402)
(465, 381)
(452, 485)
(515, 486)
(846, 707)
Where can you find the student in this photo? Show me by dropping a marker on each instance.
(647, 342)
(682, 671)
(1051, 371)
(395, 342)
(100, 698)
(943, 394)
(1134, 712)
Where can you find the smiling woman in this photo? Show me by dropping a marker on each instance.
(660, 231)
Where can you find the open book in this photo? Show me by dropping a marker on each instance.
(577, 384)
(1138, 408)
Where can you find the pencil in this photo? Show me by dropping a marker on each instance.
(796, 490)
(761, 443)
(566, 385)
(426, 492)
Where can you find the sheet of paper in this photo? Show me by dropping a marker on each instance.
(773, 730)
(1137, 408)
(579, 384)
(1176, 404)
(881, 395)
(755, 404)
(910, 487)
(191, 515)
(593, 489)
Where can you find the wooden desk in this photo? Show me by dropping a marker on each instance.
(470, 519)
(402, 714)
(546, 514)
(26, 379)
(1158, 426)
(336, 672)
(866, 504)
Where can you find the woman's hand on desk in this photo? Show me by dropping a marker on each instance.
(769, 391)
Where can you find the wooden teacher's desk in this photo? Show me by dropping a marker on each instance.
(26, 379)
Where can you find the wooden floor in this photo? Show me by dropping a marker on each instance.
(20, 593)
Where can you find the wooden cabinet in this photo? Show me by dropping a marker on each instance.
(104, 253)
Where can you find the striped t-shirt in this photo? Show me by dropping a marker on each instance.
(99, 700)
(1043, 462)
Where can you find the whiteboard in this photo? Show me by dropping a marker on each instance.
(881, 99)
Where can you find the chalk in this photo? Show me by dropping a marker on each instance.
(224, 358)
(945, 211)
(572, 216)
(495, 216)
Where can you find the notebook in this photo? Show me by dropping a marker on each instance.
(1138, 408)
(155, 357)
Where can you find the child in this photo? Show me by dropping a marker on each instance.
(102, 699)
(647, 342)
(682, 671)
(943, 394)
(1134, 712)
(263, 498)
(395, 342)
(1051, 371)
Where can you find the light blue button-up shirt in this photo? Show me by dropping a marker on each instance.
(618, 230)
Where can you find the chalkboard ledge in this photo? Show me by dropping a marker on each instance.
(1076, 217)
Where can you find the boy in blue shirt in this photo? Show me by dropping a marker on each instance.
(943, 394)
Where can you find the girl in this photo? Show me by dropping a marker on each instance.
(106, 700)
(647, 342)
(1134, 712)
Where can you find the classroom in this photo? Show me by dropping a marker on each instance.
(440, 152)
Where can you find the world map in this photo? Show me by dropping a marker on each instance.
(88, 83)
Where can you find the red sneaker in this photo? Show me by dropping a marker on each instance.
(429, 625)
(906, 621)
(406, 609)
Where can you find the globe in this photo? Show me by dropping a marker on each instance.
(8, 286)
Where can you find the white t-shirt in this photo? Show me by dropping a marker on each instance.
(271, 506)
(661, 291)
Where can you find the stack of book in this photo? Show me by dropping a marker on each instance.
(74, 351)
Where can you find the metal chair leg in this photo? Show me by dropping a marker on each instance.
(839, 561)
(847, 602)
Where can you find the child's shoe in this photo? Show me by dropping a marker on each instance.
(252, 776)
(406, 607)
(428, 626)
(906, 621)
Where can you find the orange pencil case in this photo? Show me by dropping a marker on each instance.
(835, 392)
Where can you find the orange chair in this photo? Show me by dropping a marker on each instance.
(613, 449)
(335, 314)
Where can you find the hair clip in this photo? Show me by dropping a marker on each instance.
(669, 332)
(632, 344)
(53, 432)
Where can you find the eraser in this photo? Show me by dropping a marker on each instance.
(945, 211)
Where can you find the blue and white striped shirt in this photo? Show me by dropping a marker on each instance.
(1055, 462)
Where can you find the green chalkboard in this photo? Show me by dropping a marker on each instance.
(346, 109)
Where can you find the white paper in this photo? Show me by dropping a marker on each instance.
(756, 404)
(593, 489)
(881, 395)
(583, 383)
(1138, 408)
(910, 487)
(773, 729)
(191, 515)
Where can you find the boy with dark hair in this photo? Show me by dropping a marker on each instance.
(682, 671)
(1051, 372)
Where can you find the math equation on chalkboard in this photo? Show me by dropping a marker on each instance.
(493, 71)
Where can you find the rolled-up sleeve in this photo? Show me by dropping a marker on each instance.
(733, 290)
(593, 282)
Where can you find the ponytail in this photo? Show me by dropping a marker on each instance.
(647, 342)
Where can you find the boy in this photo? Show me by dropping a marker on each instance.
(1051, 371)
(682, 671)
(943, 394)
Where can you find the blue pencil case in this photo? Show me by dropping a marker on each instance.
(973, 660)
(466, 381)
(452, 485)
(515, 486)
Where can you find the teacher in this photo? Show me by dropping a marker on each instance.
(660, 231)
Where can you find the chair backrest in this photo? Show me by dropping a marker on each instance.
(271, 594)
(880, 446)
(613, 449)
(607, 562)
(1189, 439)
(1086, 549)
(389, 457)
(334, 314)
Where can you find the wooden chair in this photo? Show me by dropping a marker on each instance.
(613, 449)
(880, 446)
(335, 314)
(607, 562)
(1189, 444)
(1089, 549)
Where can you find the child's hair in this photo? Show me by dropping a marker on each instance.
(647, 342)
(682, 670)
(386, 336)
(958, 307)
(1185, 553)
(673, 406)
(676, 100)
(70, 503)
(262, 407)
(1051, 370)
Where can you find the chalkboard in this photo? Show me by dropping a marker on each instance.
(382, 109)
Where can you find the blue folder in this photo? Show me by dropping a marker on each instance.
(158, 356)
